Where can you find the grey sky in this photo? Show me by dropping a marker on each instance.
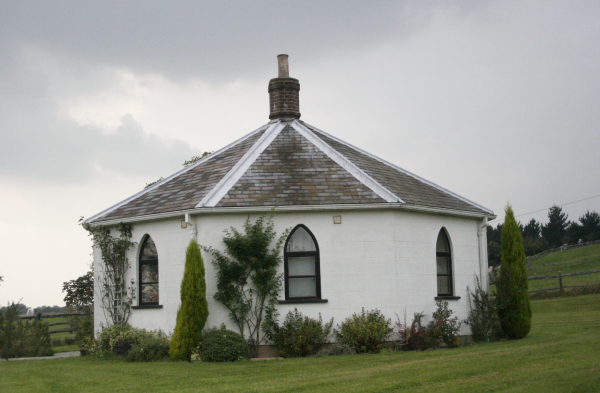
(496, 101)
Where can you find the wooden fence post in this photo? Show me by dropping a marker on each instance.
(560, 284)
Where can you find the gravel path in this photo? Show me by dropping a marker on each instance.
(59, 355)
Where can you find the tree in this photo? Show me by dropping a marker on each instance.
(556, 229)
(494, 248)
(80, 295)
(247, 279)
(80, 292)
(193, 311)
(590, 226)
(532, 230)
(514, 308)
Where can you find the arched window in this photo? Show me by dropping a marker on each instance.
(301, 265)
(148, 273)
(444, 265)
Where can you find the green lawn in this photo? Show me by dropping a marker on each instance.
(579, 260)
(562, 353)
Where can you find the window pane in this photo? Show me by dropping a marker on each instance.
(443, 285)
(301, 241)
(443, 265)
(149, 249)
(442, 243)
(150, 272)
(301, 266)
(150, 293)
(303, 287)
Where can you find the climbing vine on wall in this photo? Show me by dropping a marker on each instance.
(115, 296)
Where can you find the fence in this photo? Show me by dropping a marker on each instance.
(58, 323)
(560, 276)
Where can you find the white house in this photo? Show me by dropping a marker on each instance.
(372, 234)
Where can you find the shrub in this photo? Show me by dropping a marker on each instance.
(193, 312)
(298, 335)
(222, 345)
(120, 339)
(37, 339)
(483, 315)
(11, 331)
(366, 332)
(21, 338)
(84, 328)
(149, 349)
(514, 307)
(412, 338)
(335, 349)
(442, 330)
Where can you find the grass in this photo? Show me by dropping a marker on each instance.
(560, 354)
(578, 260)
(66, 348)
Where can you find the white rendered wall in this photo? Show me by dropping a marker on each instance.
(374, 259)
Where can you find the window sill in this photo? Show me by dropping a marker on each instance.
(298, 301)
(144, 306)
(447, 297)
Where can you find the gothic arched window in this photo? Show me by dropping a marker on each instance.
(148, 273)
(301, 266)
(444, 265)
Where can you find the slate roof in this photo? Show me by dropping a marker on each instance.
(286, 163)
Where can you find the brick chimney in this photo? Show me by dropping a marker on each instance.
(284, 93)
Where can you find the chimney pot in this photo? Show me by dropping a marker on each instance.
(284, 69)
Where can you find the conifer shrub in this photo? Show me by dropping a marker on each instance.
(193, 311)
(514, 307)
(222, 345)
(298, 335)
(366, 331)
(37, 339)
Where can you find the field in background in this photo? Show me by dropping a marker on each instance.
(578, 261)
(560, 354)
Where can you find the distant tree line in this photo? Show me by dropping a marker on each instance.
(22, 309)
(538, 237)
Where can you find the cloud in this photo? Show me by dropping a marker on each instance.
(184, 39)
(40, 141)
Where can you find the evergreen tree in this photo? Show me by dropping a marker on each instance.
(556, 229)
(494, 248)
(514, 308)
(590, 226)
(532, 230)
(193, 311)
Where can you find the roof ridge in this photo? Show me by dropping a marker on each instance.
(348, 165)
(398, 168)
(237, 171)
(174, 175)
